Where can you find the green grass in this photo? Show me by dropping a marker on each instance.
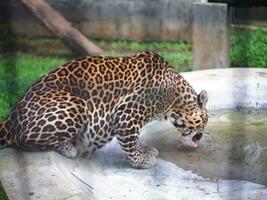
(249, 48)
(2, 197)
(40, 55)
(178, 54)
(17, 72)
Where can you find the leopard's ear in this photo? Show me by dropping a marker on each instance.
(202, 99)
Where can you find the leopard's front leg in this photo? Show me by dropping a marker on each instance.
(127, 126)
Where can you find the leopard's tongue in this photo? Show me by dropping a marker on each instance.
(194, 145)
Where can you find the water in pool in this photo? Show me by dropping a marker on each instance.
(237, 148)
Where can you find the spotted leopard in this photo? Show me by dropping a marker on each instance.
(80, 106)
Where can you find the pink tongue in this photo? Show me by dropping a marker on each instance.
(194, 145)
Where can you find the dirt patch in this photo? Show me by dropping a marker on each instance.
(42, 48)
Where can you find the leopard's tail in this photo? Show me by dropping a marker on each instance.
(6, 138)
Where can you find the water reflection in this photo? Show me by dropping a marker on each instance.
(238, 150)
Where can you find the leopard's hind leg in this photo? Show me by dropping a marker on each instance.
(83, 142)
(53, 124)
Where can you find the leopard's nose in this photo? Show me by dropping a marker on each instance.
(196, 137)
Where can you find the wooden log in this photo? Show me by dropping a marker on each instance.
(61, 28)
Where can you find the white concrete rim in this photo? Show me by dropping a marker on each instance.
(231, 88)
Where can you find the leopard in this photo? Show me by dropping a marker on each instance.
(83, 104)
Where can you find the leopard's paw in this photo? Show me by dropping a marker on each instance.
(66, 149)
(146, 157)
(144, 163)
(147, 149)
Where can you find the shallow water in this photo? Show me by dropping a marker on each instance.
(237, 148)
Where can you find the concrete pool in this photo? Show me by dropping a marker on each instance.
(236, 147)
(230, 164)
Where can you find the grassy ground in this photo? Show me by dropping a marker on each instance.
(24, 60)
(179, 54)
(2, 195)
(249, 48)
(17, 74)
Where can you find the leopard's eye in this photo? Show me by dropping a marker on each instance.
(178, 125)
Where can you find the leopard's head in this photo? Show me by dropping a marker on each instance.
(191, 119)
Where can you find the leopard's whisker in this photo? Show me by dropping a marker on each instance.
(207, 135)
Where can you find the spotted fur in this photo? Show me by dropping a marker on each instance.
(83, 104)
